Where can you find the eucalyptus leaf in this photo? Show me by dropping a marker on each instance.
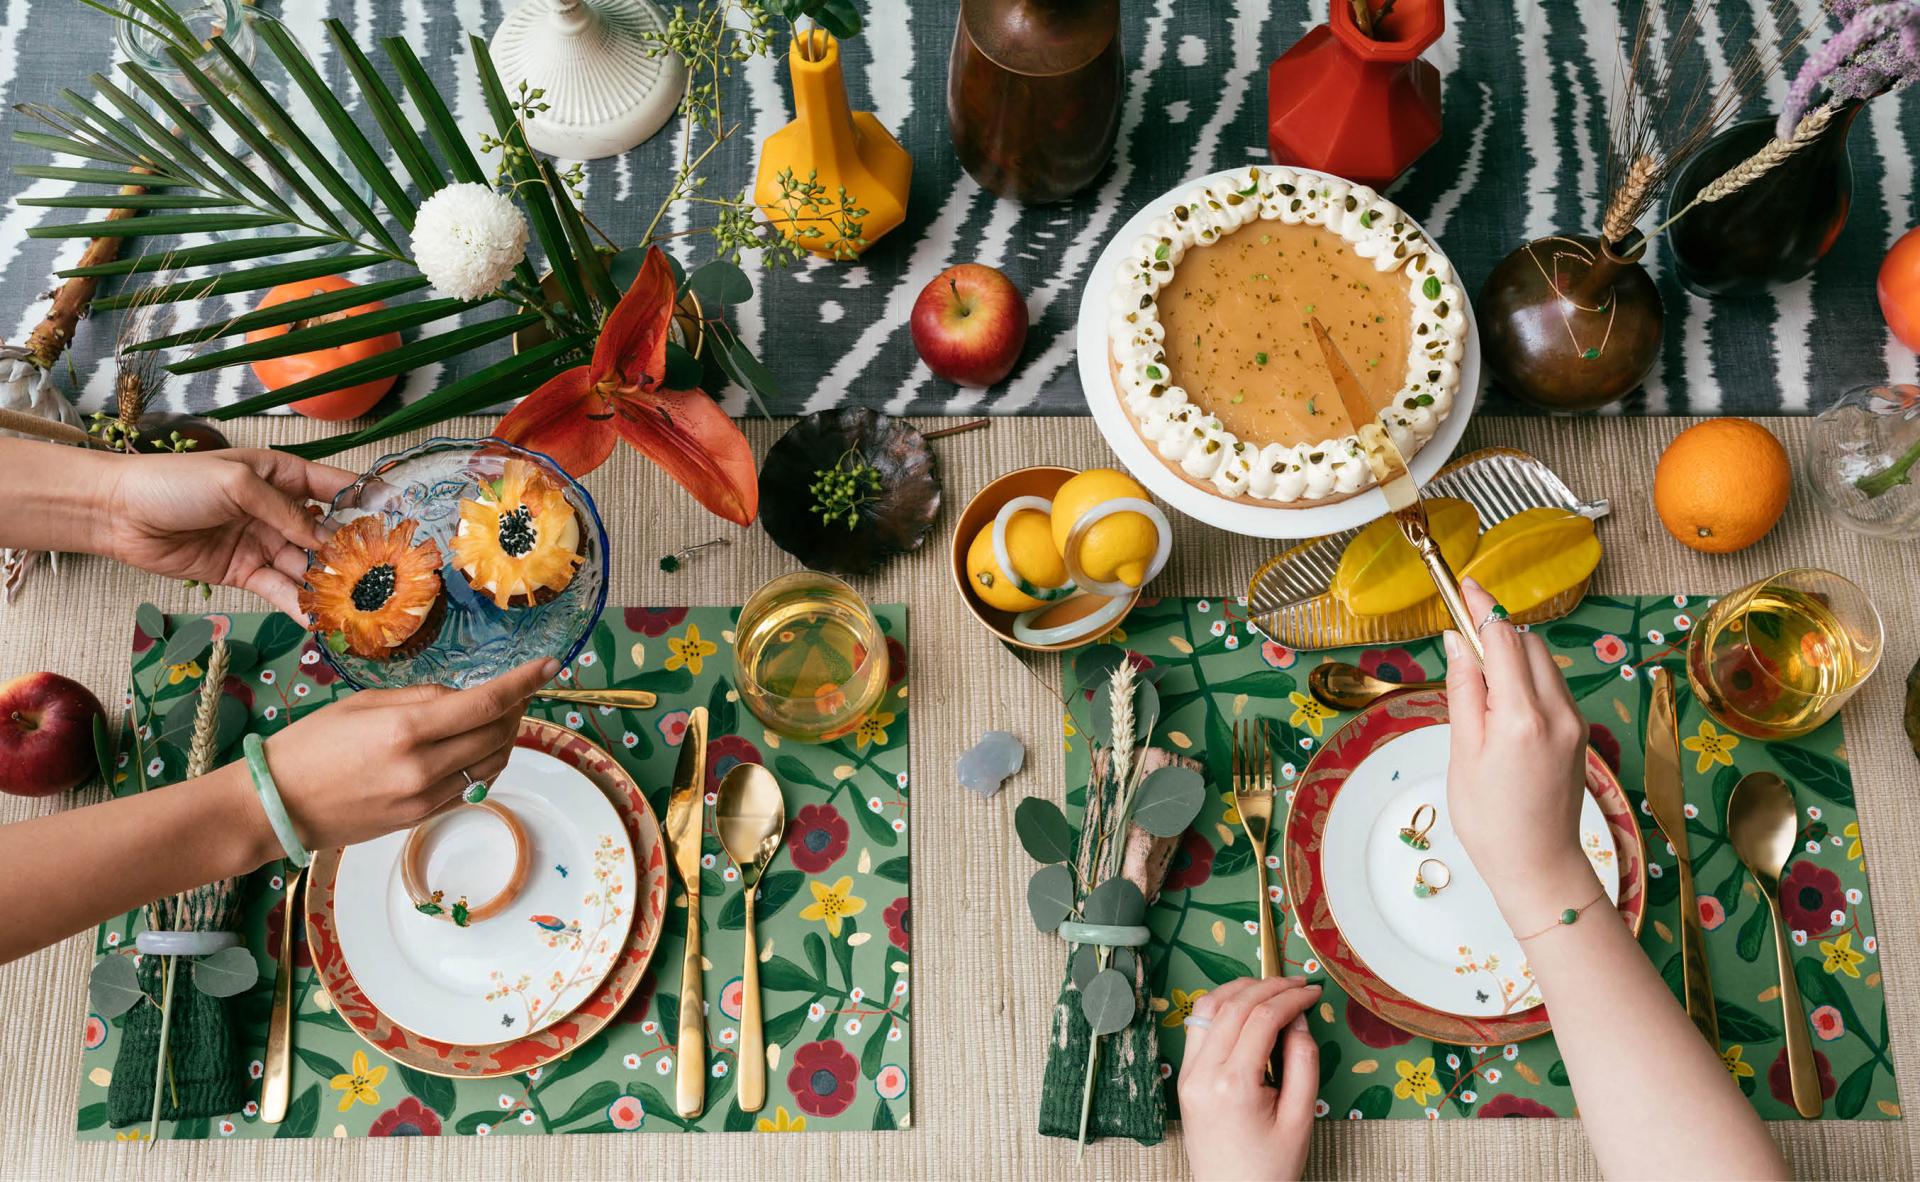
(1168, 801)
(1115, 901)
(1050, 896)
(683, 368)
(190, 643)
(720, 282)
(151, 621)
(114, 986)
(1095, 664)
(226, 973)
(1108, 1002)
(1086, 962)
(1043, 830)
(103, 749)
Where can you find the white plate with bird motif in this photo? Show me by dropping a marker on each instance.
(513, 973)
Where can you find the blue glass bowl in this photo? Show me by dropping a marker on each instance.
(478, 641)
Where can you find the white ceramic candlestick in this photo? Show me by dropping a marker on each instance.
(604, 93)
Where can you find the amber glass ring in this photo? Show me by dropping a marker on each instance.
(459, 912)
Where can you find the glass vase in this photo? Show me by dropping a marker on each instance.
(1865, 447)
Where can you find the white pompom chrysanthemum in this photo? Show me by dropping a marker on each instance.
(467, 239)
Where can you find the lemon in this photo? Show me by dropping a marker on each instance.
(1533, 556)
(1031, 550)
(1119, 548)
(1380, 573)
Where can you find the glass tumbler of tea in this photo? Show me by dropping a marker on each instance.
(811, 656)
(1777, 658)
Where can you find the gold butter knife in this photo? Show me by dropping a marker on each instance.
(686, 826)
(625, 699)
(1666, 797)
(1397, 484)
(276, 1076)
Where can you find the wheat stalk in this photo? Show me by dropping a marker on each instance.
(1630, 199)
(1771, 155)
(206, 717)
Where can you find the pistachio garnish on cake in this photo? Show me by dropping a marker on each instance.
(518, 542)
(1211, 352)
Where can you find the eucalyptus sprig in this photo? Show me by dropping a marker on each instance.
(839, 491)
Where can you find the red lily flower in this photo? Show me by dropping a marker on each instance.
(576, 415)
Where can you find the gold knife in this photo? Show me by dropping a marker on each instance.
(686, 825)
(1397, 484)
(625, 699)
(1666, 797)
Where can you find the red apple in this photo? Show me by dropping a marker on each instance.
(46, 734)
(969, 325)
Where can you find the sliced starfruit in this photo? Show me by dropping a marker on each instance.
(1533, 556)
(1379, 571)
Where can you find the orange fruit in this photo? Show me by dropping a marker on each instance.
(1721, 485)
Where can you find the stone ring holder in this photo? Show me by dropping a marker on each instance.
(428, 902)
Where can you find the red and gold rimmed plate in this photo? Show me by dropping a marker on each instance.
(559, 1038)
(1445, 966)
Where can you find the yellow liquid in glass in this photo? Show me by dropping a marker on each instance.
(812, 659)
(1774, 666)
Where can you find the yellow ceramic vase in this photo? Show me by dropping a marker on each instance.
(837, 147)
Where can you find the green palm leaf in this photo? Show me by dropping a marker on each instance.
(304, 308)
(345, 331)
(411, 355)
(440, 123)
(129, 201)
(406, 142)
(491, 386)
(205, 140)
(98, 176)
(288, 132)
(345, 131)
(247, 279)
(170, 223)
(67, 145)
(538, 198)
(148, 135)
(203, 255)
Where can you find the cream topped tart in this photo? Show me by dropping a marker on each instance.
(1211, 347)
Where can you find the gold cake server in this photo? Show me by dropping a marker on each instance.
(1396, 482)
(686, 825)
(1666, 796)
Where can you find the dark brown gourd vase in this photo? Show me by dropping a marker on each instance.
(1033, 94)
(1567, 324)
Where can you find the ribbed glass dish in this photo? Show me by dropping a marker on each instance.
(1289, 601)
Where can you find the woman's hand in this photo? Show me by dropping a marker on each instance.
(1233, 1124)
(1517, 769)
(382, 760)
(237, 518)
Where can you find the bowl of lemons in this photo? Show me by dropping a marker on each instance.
(1049, 558)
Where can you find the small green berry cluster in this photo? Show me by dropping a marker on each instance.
(114, 432)
(840, 491)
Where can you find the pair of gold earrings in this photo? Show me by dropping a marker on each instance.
(1432, 875)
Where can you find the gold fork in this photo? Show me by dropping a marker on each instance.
(1253, 800)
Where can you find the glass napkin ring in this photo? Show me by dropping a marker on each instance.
(459, 912)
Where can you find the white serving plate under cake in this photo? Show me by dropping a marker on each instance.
(1236, 514)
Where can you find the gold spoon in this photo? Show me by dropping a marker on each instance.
(751, 816)
(1763, 823)
(1349, 687)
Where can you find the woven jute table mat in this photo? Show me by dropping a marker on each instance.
(983, 979)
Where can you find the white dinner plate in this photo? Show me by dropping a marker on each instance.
(1238, 515)
(1451, 951)
(521, 970)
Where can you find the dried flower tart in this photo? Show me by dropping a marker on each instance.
(375, 592)
(518, 542)
(1209, 345)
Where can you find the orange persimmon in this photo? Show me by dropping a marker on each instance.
(278, 372)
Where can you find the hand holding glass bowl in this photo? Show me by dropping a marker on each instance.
(474, 638)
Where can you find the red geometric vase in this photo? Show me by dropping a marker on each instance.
(1357, 106)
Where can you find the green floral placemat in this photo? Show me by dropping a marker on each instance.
(1205, 921)
(833, 913)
